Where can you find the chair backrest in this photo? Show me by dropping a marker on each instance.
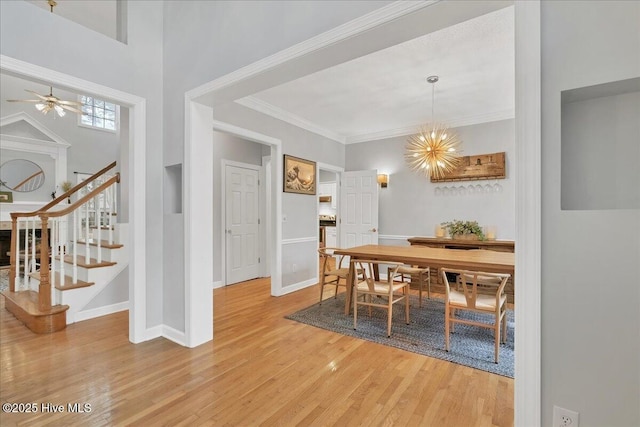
(327, 253)
(367, 268)
(469, 281)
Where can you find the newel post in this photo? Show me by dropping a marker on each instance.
(44, 289)
(13, 256)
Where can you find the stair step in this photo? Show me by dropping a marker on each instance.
(103, 243)
(93, 263)
(104, 227)
(68, 282)
(24, 306)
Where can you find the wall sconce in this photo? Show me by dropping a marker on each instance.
(383, 180)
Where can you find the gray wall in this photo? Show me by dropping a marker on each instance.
(224, 37)
(590, 293)
(34, 35)
(300, 211)
(410, 205)
(601, 152)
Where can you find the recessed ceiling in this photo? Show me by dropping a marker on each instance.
(385, 94)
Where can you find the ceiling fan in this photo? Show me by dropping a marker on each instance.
(46, 103)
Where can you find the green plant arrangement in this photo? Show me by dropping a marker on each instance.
(66, 186)
(462, 228)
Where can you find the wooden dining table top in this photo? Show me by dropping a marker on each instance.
(424, 256)
(480, 260)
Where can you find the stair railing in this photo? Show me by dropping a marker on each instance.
(98, 191)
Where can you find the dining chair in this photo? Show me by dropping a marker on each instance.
(379, 293)
(423, 275)
(476, 292)
(331, 270)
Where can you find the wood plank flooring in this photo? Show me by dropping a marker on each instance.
(260, 369)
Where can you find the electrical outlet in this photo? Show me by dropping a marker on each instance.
(565, 418)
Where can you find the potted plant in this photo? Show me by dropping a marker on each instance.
(464, 230)
(66, 186)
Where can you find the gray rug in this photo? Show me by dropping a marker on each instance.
(4, 280)
(470, 346)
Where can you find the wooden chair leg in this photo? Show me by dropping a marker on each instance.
(389, 315)
(406, 307)
(429, 284)
(447, 313)
(355, 308)
(498, 326)
(504, 327)
(321, 288)
(420, 285)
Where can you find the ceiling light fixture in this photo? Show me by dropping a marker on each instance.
(46, 103)
(433, 151)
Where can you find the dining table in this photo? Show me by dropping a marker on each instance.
(423, 256)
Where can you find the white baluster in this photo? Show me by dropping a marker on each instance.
(75, 247)
(26, 252)
(86, 238)
(33, 246)
(112, 194)
(62, 249)
(98, 206)
(54, 239)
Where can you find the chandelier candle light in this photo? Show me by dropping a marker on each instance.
(433, 151)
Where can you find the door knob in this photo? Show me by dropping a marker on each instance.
(373, 230)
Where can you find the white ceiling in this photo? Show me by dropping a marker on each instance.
(385, 94)
(99, 15)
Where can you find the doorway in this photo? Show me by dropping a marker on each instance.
(243, 237)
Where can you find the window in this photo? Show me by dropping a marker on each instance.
(97, 113)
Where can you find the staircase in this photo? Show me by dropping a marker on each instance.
(79, 252)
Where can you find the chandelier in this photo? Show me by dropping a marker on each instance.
(433, 151)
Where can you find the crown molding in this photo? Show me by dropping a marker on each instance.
(352, 28)
(453, 123)
(271, 110)
(286, 116)
(22, 116)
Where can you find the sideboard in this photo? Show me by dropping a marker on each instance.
(437, 284)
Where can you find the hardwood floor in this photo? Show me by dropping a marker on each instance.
(260, 369)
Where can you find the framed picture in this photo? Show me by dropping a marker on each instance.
(6, 197)
(482, 166)
(299, 175)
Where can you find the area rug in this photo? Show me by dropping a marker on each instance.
(470, 345)
(4, 279)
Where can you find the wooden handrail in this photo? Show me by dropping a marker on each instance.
(77, 187)
(40, 172)
(81, 201)
(44, 291)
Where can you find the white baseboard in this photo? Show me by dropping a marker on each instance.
(101, 311)
(297, 286)
(167, 332)
(153, 333)
(217, 284)
(174, 335)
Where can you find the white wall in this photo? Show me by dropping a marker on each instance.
(601, 152)
(37, 36)
(225, 36)
(90, 149)
(590, 269)
(410, 206)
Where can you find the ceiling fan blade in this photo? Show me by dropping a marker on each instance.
(37, 94)
(66, 107)
(24, 100)
(63, 102)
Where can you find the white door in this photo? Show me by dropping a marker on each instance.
(358, 209)
(241, 223)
